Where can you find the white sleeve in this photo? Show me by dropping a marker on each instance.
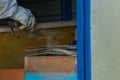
(7, 8)
(25, 17)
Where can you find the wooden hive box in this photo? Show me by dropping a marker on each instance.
(50, 63)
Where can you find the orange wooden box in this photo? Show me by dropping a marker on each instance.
(12, 74)
(50, 63)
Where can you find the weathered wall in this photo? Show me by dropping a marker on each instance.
(105, 39)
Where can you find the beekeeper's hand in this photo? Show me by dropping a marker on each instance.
(25, 17)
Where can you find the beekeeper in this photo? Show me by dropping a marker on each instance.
(23, 17)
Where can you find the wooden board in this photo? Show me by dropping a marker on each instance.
(13, 74)
(12, 48)
(47, 25)
(50, 64)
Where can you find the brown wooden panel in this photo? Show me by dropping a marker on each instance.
(12, 48)
(50, 64)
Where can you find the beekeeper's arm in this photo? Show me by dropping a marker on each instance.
(10, 9)
(25, 17)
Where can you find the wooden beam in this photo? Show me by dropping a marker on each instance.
(47, 25)
(56, 24)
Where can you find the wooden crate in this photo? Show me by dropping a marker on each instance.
(50, 63)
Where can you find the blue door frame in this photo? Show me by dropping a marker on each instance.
(83, 40)
(83, 35)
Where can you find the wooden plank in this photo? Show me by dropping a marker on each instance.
(47, 25)
(50, 63)
(12, 74)
(56, 24)
(12, 49)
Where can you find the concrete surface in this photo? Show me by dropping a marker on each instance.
(105, 39)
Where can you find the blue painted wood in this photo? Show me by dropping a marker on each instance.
(87, 40)
(50, 76)
(83, 40)
(80, 39)
(66, 10)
